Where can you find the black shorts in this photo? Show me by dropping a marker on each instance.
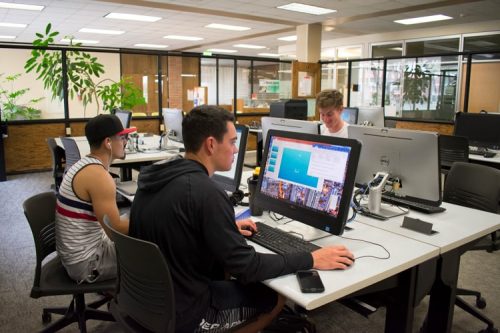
(233, 303)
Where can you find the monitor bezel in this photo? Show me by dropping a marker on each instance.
(321, 221)
(229, 184)
(126, 112)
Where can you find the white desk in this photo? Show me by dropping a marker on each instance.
(480, 158)
(458, 228)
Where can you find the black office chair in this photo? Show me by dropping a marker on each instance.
(452, 149)
(144, 300)
(51, 278)
(475, 186)
(58, 162)
(71, 150)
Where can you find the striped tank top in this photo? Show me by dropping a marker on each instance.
(78, 232)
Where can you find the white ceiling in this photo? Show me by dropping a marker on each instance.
(267, 23)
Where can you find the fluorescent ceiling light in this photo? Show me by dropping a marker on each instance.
(81, 41)
(227, 27)
(288, 38)
(7, 37)
(222, 50)
(269, 54)
(182, 37)
(249, 46)
(300, 7)
(153, 46)
(132, 17)
(424, 19)
(102, 31)
(188, 75)
(20, 6)
(13, 25)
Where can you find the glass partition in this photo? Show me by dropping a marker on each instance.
(285, 77)
(366, 83)
(22, 96)
(243, 85)
(334, 76)
(209, 78)
(266, 84)
(226, 82)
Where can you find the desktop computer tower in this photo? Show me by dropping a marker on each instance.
(289, 108)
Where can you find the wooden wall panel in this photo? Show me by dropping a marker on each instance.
(484, 93)
(26, 147)
(252, 138)
(146, 125)
(433, 127)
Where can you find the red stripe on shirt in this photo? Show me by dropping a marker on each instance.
(75, 215)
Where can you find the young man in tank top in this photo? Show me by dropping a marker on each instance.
(86, 194)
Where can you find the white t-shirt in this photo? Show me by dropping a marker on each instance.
(342, 133)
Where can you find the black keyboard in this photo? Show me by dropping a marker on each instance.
(481, 151)
(280, 241)
(418, 206)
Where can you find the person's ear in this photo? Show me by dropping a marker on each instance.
(108, 143)
(210, 144)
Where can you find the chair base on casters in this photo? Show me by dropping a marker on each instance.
(471, 310)
(77, 312)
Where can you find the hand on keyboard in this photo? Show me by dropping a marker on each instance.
(247, 227)
(332, 257)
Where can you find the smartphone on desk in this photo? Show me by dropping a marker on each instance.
(310, 282)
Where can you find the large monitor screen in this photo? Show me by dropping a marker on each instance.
(481, 129)
(230, 180)
(410, 156)
(350, 115)
(172, 120)
(309, 178)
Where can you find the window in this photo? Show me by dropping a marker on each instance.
(483, 43)
(387, 50)
(432, 46)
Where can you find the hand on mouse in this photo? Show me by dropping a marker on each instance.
(332, 257)
(247, 227)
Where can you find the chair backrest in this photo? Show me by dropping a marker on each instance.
(473, 185)
(452, 149)
(145, 290)
(40, 211)
(58, 159)
(72, 151)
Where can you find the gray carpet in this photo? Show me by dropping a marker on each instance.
(20, 313)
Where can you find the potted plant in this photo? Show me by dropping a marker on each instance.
(10, 100)
(415, 85)
(83, 71)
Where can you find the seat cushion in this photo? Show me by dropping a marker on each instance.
(55, 281)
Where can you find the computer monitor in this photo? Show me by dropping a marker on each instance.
(308, 178)
(291, 125)
(230, 180)
(172, 120)
(410, 156)
(350, 115)
(289, 108)
(371, 116)
(482, 129)
(124, 116)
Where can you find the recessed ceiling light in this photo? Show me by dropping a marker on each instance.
(227, 27)
(424, 19)
(102, 31)
(188, 75)
(222, 50)
(7, 37)
(182, 37)
(328, 28)
(81, 41)
(13, 25)
(269, 54)
(152, 46)
(249, 46)
(10, 5)
(288, 38)
(132, 17)
(300, 7)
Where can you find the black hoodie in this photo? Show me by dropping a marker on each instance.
(178, 207)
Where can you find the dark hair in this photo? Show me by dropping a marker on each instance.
(204, 121)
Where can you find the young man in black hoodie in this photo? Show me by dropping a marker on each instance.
(178, 207)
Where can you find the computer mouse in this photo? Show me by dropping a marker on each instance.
(352, 259)
(489, 154)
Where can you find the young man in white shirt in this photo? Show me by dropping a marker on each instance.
(330, 105)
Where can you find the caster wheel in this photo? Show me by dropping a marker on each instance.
(481, 303)
(46, 318)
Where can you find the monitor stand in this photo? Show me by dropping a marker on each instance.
(303, 231)
(387, 210)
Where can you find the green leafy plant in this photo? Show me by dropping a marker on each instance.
(83, 71)
(415, 85)
(10, 98)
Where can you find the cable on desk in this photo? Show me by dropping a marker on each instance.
(369, 242)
